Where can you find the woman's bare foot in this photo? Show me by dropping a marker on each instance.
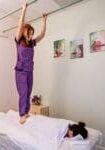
(22, 119)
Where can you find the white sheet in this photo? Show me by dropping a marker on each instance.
(43, 133)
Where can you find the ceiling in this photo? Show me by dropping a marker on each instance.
(35, 10)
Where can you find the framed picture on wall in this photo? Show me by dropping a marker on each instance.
(59, 48)
(76, 49)
(97, 41)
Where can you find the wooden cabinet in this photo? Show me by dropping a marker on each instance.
(39, 109)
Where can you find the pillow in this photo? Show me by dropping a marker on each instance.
(75, 138)
(94, 136)
(93, 133)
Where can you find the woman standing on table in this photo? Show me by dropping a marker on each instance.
(24, 66)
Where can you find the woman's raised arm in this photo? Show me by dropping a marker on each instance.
(21, 22)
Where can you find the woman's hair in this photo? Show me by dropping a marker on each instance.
(79, 129)
(28, 28)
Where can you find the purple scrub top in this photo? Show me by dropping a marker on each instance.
(25, 56)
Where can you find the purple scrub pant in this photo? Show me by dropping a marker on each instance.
(24, 82)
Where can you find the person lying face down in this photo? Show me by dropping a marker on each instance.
(77, 129)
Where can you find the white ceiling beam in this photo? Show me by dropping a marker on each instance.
(11, 13)
(59, 9)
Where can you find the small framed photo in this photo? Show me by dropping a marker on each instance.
(76, 49)
(59, 48)
(97, 41)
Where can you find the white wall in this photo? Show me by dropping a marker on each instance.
(74, 89)
(7, 85)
